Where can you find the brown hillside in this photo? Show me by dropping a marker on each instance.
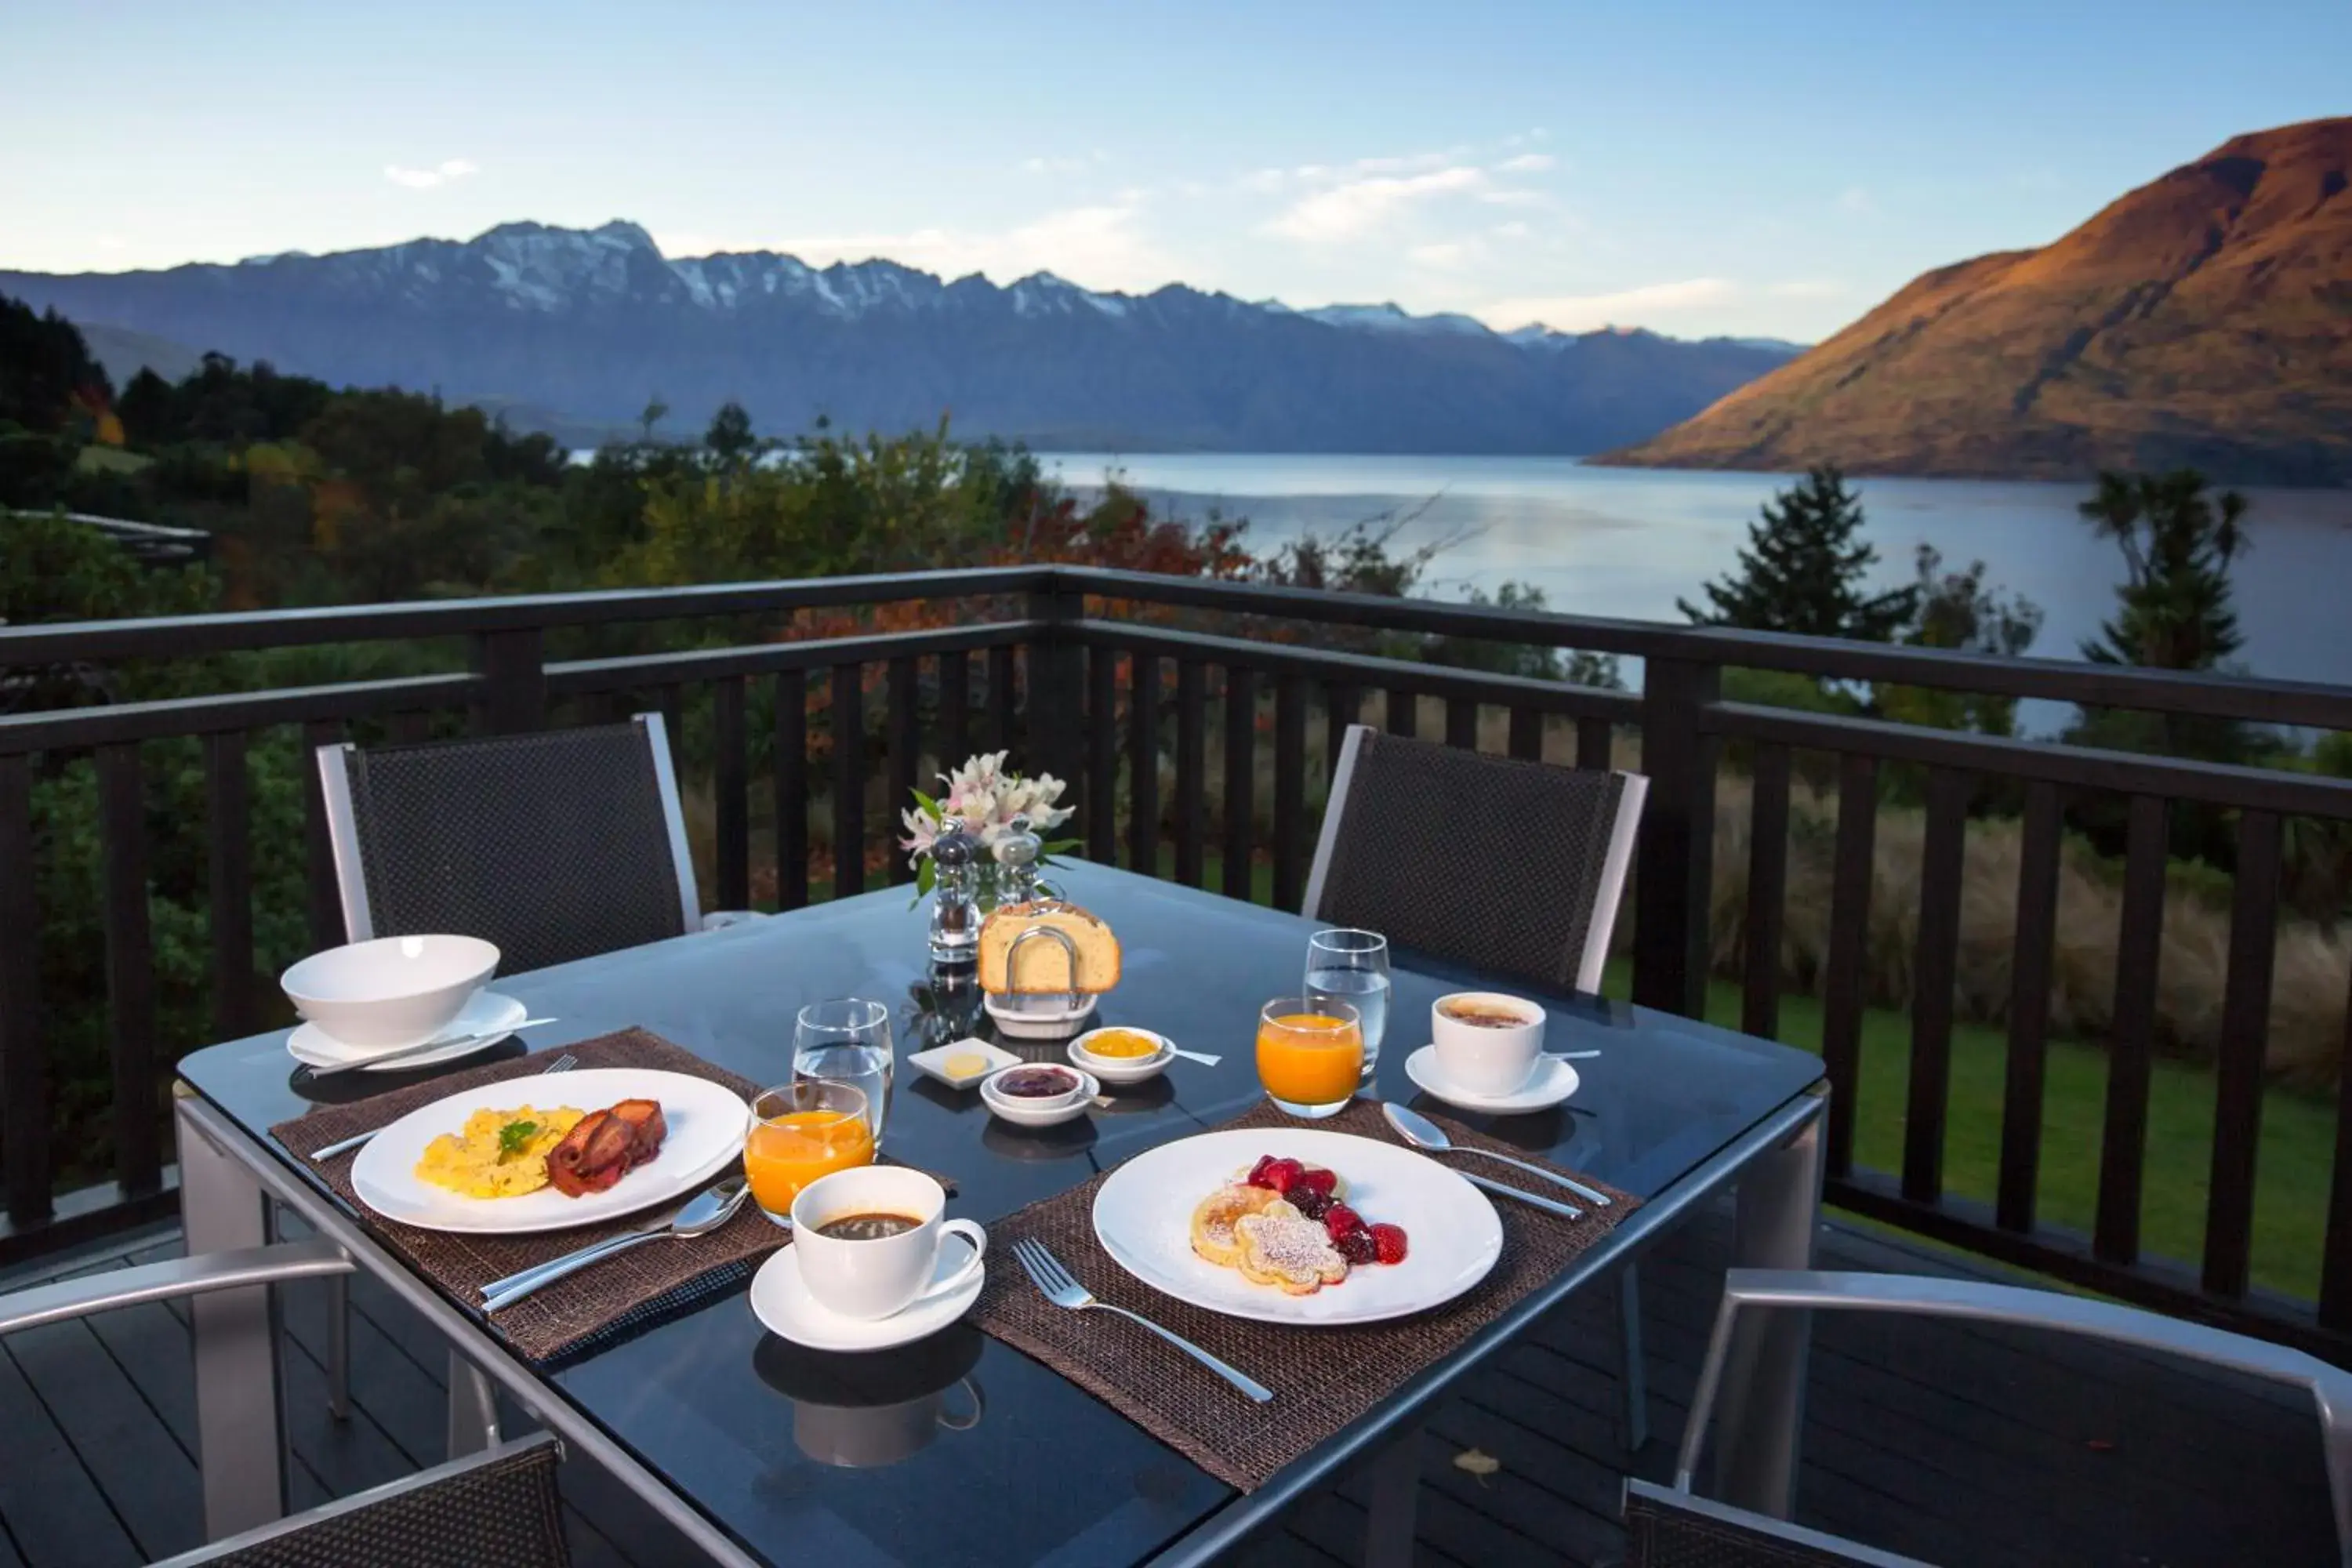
(2205, 318)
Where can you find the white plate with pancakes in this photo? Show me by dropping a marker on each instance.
(1143, 1217)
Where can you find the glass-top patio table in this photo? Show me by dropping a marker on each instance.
(1673, 1110)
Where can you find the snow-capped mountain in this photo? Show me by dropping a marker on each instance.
(595, 323)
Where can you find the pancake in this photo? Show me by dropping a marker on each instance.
(1214, 1215)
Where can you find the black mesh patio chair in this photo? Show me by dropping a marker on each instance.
(556, 845)
(497, 1508)
(1514, 867)
(1672, 1527)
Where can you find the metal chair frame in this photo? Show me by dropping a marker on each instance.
(1725, 1374)
(350, 872)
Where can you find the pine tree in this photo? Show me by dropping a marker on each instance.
(2178, 543)
(1803, 569)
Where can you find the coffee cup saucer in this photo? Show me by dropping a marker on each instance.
(1553, 1081)
(782, 1302)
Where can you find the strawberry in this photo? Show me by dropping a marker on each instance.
(1320, 1179)
(1257, 1176)
(1339, 1219)
(1388, 1243)
(1280, 1174)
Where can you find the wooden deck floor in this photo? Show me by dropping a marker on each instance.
(1958, 1444)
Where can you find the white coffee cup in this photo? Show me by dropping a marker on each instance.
(874, 1278)
(1487, 1059)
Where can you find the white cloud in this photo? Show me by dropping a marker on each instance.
(1514, 229)
(1357, 206)
(441, 173)
(1808, 289)
(1855, 199)
(1526, 163)
(1071, 164)
(1580, 312)
(1446, 255)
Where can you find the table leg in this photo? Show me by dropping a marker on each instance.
(1632, 1369)
(1764, 1377)
(473, 1408)
(239, 1443)
(1396, 1497)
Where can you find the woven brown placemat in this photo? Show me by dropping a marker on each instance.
(595, 1306)
(1323, 1378)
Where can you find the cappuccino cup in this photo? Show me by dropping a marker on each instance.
(870, 1276)
(1486, 1042)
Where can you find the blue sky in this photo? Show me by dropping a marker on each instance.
(1766, 169)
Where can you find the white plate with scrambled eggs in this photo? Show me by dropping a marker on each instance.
(478, 1161)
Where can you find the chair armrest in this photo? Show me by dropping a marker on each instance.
(1983, 1301)
(314, 1258)
(719, 920)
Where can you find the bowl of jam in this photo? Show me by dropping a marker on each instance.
(1038, 1094)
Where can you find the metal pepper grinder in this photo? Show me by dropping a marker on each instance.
(955, 897)
(1017, 854)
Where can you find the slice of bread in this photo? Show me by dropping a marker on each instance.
(1044, 967)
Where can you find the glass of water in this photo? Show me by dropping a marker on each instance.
(848, 1040)
(1352, 966)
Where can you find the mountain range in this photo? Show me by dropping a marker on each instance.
(578, 329)
(2204, 319)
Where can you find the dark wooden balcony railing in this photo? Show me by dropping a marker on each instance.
(1036, 658)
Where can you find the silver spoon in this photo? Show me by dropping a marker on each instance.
(1430, 1137)
(703, 1213)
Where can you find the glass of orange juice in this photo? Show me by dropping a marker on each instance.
(799, 1132)
(1310, 1054)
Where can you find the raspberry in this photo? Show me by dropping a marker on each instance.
(1309, 1202)
(1388, 1243)
(1357, 1247)
(1257, 1176)
(1321, 1180)
(1281, 1172)
(1339, 1220)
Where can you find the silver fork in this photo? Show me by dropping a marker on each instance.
(1057, 1285)
(563, 1063)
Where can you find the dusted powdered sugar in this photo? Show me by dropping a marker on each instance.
(1290, 1245)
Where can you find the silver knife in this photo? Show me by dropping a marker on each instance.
(1563, 1210)
(424, 1047)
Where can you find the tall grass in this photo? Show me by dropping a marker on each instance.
(2312, 974)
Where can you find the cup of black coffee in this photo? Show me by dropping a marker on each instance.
(870, 1237)
(1486, 1042)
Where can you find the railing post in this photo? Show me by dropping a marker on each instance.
(513, 665)
(1673, 863)
(24, 1062)
(1056, 689)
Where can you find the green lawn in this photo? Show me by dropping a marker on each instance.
(2291, 1181)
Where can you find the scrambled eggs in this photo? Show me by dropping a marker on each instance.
(500, 1153)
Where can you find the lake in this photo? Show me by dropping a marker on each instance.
(1628, 542)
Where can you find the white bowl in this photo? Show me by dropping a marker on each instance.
(1040, 1112)
(391, 992)
(1123, 1070)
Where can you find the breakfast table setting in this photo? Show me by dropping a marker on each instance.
(824, 1237)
